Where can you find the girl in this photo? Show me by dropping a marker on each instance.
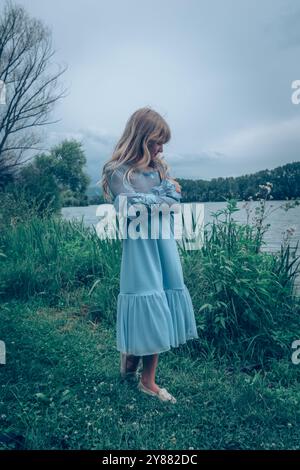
(154, 308)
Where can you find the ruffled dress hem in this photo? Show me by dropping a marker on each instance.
(154, 321)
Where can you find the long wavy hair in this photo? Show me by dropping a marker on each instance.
(144, 128)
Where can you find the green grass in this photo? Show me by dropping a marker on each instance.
(61, 389)
(243, 298)
(236, 386)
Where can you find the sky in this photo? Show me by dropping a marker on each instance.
(219, 71)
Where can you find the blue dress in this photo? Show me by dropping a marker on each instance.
(154, 307)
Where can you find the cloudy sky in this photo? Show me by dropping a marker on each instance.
(219, 71)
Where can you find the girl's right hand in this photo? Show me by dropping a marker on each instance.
(177, 185)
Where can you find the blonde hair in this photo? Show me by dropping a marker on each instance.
(144, 128)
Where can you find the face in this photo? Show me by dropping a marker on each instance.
(156, 148)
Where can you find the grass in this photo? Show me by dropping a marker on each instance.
(61, 389)
(236, 386)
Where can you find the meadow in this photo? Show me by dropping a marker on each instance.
(236, 386)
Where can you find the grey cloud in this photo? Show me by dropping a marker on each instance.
(216, 69)
(286, 25)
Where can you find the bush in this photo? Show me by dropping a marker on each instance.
(53, 258)
(19, 204)
(244, 297)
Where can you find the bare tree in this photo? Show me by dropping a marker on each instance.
(31, 85)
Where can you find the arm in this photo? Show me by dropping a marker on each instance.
(164, 193)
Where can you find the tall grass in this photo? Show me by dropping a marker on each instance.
(243, 297)
(59, 261)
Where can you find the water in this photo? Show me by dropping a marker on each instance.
(279, 220)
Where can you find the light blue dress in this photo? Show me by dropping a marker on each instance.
(154, 307)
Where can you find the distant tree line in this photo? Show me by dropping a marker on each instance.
(285, 180)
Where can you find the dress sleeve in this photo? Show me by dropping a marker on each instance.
(155, 198)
